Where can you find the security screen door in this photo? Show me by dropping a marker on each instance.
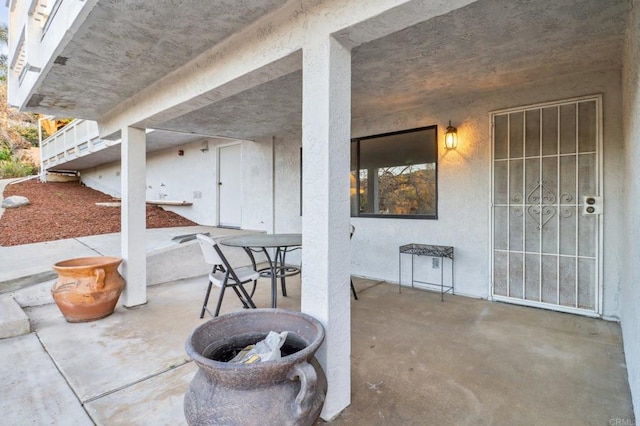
(547, 205)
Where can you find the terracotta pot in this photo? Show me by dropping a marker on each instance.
(87, 288)
(288, 391)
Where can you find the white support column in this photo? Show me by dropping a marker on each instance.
(132, 239)
(326, 128)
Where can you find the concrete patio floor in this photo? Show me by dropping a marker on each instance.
(415, 361)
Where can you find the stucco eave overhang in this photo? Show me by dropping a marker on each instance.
(117, 48)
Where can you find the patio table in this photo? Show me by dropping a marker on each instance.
(282, 243)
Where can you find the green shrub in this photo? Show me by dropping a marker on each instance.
(5, 154)
(30, 134)
(14, 169)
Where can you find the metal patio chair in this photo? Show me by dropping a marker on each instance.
(223, 276)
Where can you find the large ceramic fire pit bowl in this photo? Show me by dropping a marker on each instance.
(87, 288)
(288, 391)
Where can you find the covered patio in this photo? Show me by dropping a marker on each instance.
(415, 361)
(292, 83)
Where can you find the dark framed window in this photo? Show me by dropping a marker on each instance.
(395, 174)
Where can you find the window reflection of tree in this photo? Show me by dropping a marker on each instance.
(405, 190)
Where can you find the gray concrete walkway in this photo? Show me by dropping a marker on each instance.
(167, 259)
(415, 361)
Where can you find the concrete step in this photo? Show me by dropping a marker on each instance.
(13, 321)
(15, 284)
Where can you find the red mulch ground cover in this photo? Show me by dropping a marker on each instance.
(67, 210)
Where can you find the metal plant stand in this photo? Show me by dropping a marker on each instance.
(431, 251)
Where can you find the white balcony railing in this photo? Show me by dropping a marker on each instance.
(77, 139)
(40, 9)
(20, 58)
(44, 13)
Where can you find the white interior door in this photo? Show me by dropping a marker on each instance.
(547, 206)
(230, 186)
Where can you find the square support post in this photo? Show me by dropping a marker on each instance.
(134, 218)
(326, 255)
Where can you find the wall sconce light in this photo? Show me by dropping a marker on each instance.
(451, 137)
(204, 147)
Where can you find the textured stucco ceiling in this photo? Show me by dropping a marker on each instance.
(130, 44)
(487, 46)
(274, 108)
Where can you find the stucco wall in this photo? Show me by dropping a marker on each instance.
(287, 182)
(104, 178)
(169, 177)
(192, 177)
(287, 189)
(630, 291)
(257, 185)
(464, 182)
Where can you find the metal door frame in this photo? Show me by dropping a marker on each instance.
(599, 243)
